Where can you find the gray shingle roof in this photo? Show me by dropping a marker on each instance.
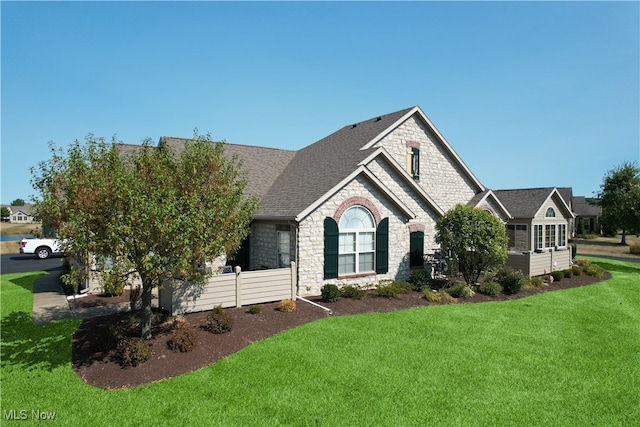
(262, 164)
(523, 203)
(319, 167)
(582, 207)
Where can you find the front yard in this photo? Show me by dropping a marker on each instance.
(567, 357)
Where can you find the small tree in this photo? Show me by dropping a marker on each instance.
(152, 211)
(18, 202)
(475, 239)
(620, 199)
(4, 212)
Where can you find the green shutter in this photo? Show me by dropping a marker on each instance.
(330, 248)
(382, 247)
(415, 163)
(416, 249)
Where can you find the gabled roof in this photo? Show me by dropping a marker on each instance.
(526, 202)
(262, 164)
(321, 166)
(582, 207)
(489, 195)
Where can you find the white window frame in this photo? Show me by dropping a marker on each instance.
(283, 236)
(351, 239)
(550, 236)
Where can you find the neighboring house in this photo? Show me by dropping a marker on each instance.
(588, 213)
(358, 206)
(537, 230)
(21, 214)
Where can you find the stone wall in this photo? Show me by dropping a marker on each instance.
(442, 178)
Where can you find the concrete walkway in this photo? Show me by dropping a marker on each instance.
(50, 302)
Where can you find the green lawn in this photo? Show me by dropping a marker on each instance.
(561, 358)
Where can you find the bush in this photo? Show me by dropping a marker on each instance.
(111, 336)
(490, 288)
(431, 296)
(352, 292)
(557, 275)
(133, 352)
(287, 305)
(536, 281)
(460, 290)
(574, 251)
(511, 280)
(218, 321)
(420, 279)
(392, 289)
(445, 297)
(594, 270)
(635, 248)
(112, 283)
(568, 273)
(255, 309)
(330, 293)
(183, 339)
(577, 270)
(581, 262)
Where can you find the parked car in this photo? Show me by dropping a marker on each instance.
(41, 248)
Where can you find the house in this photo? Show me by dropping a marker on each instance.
(357, 206)
(587, 213)
(537, 230)
(20, 214)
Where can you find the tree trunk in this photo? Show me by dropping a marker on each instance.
(145, 322)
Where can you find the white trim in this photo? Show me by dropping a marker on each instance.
(438, 135)
(381, 151)
(562, 204)
(497, 201)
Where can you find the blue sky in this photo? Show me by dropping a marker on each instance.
(529, 94)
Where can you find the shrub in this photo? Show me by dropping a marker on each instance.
(594, 270)
(490, 288)
(218, 321)
(511, 280)
(392, 289)
(330, 293)
(352, 292)
(419, 279)
(460, 290)
(287, 305)
(574, 251)
(112, 284)
(111, 336)
(577, 270)
(557, 275)
(635, 248)
(133, 352)
(255, 309)
(536, 281)
(568, 273)
(581, 262)
(445, 297)
(431, 296)
(184, 337)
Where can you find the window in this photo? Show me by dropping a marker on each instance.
(551, 213)
(537, 236)
(356, 242)
(562, 234)
(416, 249)
(517, 234)
(413, 162)
(284, 253)
(549, 235)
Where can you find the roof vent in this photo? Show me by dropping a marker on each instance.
(378, 119)
(354, 125)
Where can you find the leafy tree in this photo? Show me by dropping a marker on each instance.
(476, 239)
(18, 202)
(620, 199)
(151, 210)
(4, 212)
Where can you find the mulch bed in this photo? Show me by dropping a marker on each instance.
(99, 368)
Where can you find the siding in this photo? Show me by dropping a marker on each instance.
(229, 290)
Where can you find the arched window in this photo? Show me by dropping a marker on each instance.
(356, 241)
(551, 213)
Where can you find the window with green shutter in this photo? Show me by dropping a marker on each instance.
(416, 249)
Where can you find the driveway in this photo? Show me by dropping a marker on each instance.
(17, 263)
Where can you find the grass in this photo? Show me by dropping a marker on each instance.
(7, 228)
(560, 358)
(607, 246)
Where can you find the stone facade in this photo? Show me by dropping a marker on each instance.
(264, 243)
(443, 179)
